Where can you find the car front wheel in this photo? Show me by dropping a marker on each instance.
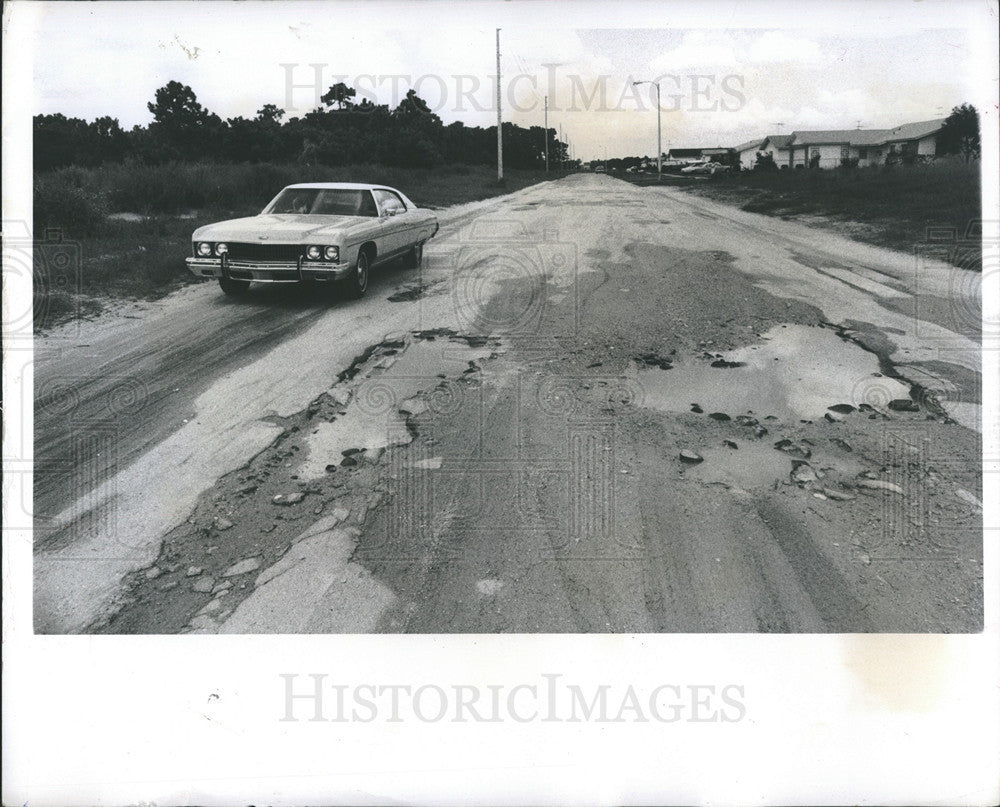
(234, 287)
(357, 284)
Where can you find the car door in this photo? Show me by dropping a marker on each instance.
(395, 221)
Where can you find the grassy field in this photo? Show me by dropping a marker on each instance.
(141, 256)
(904, 207)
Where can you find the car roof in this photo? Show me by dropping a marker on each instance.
(349, 186)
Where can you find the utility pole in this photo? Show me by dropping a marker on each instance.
(499, 123)
(659, 130)
(546, 134)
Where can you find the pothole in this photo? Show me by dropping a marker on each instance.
(797, 374)
(377, 401)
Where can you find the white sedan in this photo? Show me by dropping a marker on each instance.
(318, 232)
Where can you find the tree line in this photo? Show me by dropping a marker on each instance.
(340, 132)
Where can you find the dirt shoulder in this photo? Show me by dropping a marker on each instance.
(932, 209)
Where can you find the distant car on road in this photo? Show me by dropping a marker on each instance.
(705, 168)
(600, 170)
(320, 232)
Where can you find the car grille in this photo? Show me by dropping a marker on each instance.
(265, 252)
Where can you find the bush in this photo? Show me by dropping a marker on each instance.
(765, 162)
(59, 203)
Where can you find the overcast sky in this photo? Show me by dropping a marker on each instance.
(879, 64)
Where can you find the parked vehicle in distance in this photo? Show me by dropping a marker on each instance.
(600, 169)
(319, 232)
(705, 168)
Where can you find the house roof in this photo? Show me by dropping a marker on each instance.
(778, 141)
(685, 152)
(750, 144)
(855, 137)
(914, 131)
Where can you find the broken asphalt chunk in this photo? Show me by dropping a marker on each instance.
(878, 484)
(691, 457)
(904, 405)
(793, 449)
(288, 498)
(244, 566)
(803, 473)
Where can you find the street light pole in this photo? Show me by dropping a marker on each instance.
(659, 135)
(546, 134)
(499, 119)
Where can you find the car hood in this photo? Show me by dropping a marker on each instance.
(280, 228)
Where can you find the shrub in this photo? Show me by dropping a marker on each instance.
(59, 203)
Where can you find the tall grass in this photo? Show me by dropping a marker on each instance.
(77, 198)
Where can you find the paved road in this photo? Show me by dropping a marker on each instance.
(596, 408)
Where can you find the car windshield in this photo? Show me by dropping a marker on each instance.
(325, 202)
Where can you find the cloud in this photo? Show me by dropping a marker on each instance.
(777, 46)
(698, 51)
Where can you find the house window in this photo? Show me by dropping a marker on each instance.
(862, 154)
(845, 152)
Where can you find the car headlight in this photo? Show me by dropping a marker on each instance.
(221, 249)
(332, 253)
(204, 248)
(312, 253)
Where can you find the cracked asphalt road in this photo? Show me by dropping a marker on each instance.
(596, 408)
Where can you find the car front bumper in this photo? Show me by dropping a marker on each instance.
(268, 272)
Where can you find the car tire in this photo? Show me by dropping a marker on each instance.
(415, 257)
(234, 287)
(357, 283)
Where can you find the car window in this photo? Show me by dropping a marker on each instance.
(390, 201)
(340, 202)
(325, 202)
(294, 200)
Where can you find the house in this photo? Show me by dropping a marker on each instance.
(685, 155)
(830, 148)
(915, 138)
(725, 156)
(718, 154)
(775, 145)
(746, 153)
(868, 146)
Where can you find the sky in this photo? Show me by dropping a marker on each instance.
(872, 65)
